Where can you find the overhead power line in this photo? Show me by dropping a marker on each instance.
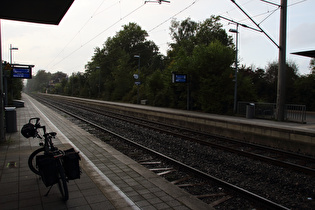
(64, 58)
(70, 54)
(258, 26)
(174, 15)
(96, 12)
(85, 24)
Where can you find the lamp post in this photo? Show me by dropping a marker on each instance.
(236, 67)
(5, 77)
(137, 77)
(12, 48)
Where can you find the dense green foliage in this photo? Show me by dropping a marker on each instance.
(201, 50)
(12, 86)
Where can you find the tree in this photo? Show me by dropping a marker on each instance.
(40, 82)
(57, 83)
(122, 79)
(248, 83)
(312, 65)
(211, 29)
(111, 68)
(155, 83)
(305, 91)
(184, 35)
(188, 34)
(204, 52)
(15, 87)
(272, 80)
(212, 64)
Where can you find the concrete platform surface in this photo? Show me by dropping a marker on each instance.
(110, 180)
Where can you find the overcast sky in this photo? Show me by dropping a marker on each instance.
(69, 46)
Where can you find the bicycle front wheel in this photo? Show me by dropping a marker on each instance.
(62, 182)
(32, 160)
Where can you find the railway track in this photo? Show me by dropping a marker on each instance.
(228, 191)
(298, 162)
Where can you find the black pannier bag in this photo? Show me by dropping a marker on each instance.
(71, 164)
(47, 169)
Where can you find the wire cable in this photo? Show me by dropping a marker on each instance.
(84, 25)
(122, 18)
(97, 12)
(174, 15)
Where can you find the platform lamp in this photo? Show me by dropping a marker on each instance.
(5, 78)
(236, 66)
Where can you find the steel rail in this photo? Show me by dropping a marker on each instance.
(252, 155)
(265, 203)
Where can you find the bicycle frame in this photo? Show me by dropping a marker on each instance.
(48, 144)
(50, 150)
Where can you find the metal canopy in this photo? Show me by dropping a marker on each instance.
(310, 53)
(36, 11)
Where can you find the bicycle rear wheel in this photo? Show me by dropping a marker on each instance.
(32, 160)
(62, 182)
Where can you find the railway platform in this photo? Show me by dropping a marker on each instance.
(289, 136)
(109, 179)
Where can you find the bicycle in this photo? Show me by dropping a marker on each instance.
(52, 164)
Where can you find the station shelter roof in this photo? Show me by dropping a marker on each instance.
(36, 11)
(310, 53)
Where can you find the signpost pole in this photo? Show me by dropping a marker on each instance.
(188, 94)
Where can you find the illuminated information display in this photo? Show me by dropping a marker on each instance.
(22, 73)
(179, 78)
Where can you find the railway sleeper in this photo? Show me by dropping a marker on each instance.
(221, 200)
(160, 169)
(210, 195)
(190, 185)
(151, 163)
(181, 180)
(165, 172)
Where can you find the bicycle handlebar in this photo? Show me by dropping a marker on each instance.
(47, 136)
(38, 126)
(34, 118)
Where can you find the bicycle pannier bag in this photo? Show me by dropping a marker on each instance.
(71, 164)
(47, 169)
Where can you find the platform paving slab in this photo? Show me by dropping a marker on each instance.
(110, 180)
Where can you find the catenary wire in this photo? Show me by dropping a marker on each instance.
(84, 25)
(64, 58)
(157, 26)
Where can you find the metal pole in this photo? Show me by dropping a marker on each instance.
(188, 94)
(10, 53)
(12, 48)
(2, 133)
(138, 56)
(236, 69)
(282, 62)
(139, 79)
(6, 77)
(99, 81)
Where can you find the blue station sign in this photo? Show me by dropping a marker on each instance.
(179, 78)
(22, 73)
